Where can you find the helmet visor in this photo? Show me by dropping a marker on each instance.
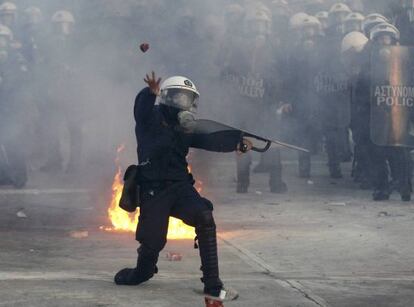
(181, 99)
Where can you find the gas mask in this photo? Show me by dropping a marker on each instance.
(185, 104)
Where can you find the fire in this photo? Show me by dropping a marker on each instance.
(123, 221)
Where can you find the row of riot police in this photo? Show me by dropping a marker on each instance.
(304, 89)
(36, 91)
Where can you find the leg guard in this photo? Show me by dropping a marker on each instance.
(207, 241)
(145, 269)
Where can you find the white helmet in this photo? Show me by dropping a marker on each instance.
(8, 8)
(6, 32)
(355, 16)
(311, 21)
(371, 21)
(179, 92)
(322, 15)
(63, 17)
(295, 22)
(259, 12)
(339, 8)
(354, 41)
(33, 15)
(385, 28)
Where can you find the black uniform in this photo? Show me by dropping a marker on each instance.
(12, 152)
(254, 74)
(167, 190)
(332, 85)
(305, 103)
(360, 114)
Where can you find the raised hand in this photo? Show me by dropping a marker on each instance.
(153, 83)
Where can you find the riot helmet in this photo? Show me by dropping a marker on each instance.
(295, 22)
(179, 97)
(310, 27)
(337, 15)
(351, 48)
(323, 19)
(385, 34)
(63, 22)
(353, 22)
(8, 14)
(371, 21)
(354, 42)
(258, 20)
(32, 16)
(233, 13)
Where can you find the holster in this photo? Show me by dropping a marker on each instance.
(129, 200)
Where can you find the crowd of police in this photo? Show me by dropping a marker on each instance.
(35, 78)
(299, 76)
(308, 77)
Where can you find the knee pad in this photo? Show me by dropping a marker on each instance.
(205, 219)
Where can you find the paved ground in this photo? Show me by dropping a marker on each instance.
(324, 243)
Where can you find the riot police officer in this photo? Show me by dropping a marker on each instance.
(64, 106)
(304, 104)
(356, 60)
(323, 19)
(405, 22)
(8, 15)
(164, 134)
(389, 150)
(332, 87)
(254, 74)
(12, 76)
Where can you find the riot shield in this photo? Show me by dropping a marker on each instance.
(392, 96)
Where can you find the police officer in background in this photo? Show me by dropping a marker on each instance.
(63, 106)
(253, 75)
(355, 56)
(405, 22)
(332, 87)
(389, 153)
(304, 104)
(164, 133)
(12, 77)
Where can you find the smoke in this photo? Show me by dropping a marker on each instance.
(91, 112)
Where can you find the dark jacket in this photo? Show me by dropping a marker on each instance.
(163, 147)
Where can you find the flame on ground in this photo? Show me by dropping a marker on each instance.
(123, 221)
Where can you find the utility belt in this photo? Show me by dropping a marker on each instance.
(134, 184)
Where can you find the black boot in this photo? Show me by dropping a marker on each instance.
(243, 174)
(380, 195)
(207, 242)
(145, 270)
(277, 185)
(335, 171)
(304, 165)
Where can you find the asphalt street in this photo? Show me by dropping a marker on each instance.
(323, 243)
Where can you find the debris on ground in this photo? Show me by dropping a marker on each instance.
(21, 214)
(79, 234)
(172, 256)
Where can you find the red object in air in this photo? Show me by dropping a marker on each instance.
(144, 47)
(213, 303)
